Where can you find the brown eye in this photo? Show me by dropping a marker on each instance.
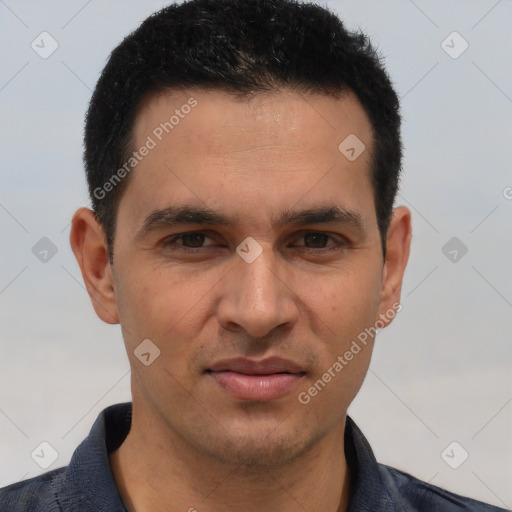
(184, 241)
(316, 240)
(192, 240)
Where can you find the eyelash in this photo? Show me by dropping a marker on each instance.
(171, 242)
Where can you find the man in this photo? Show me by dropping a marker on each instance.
(243, 158)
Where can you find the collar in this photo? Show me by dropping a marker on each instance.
(88, 482)
(371, 488)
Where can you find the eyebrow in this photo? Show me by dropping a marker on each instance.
(192, 215)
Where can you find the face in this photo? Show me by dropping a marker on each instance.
(247, 250)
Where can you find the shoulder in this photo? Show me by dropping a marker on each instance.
(34, 495)
(416, 494)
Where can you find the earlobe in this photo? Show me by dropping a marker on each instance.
(90, 248)
(398, 245)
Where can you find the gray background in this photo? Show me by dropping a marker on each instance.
(440, 373)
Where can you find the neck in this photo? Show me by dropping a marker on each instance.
(155, 471)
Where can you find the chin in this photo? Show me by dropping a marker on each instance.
(259, 448)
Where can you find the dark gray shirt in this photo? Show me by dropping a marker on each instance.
(87, 483)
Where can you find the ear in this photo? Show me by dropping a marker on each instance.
(89, 245)
(398, 245)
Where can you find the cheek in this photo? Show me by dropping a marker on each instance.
(345, 303)
(157, 306)
(160, 305)
(345, 308)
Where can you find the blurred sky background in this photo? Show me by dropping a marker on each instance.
(440, 373)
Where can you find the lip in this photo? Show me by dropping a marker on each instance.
(264, 380)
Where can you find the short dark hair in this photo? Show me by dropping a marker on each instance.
(243, 47)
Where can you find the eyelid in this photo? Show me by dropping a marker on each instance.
(172, 238)
(338, 240)
(305, 232)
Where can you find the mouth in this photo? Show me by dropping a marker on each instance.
(251, 380)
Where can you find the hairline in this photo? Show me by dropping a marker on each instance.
(268, 88)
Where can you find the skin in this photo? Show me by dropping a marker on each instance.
(193, 445)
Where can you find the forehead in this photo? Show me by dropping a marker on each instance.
(274, 148)
(281, 116)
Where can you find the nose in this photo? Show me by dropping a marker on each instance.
(256, 297)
